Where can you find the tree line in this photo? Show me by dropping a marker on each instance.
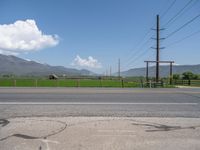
(186, 76)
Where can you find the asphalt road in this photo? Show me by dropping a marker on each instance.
(62, 102)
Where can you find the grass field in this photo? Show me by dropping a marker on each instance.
(37, 82)
(66, 83)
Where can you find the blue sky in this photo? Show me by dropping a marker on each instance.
(93, 34)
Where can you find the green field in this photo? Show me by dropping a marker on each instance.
(66, 83)
(126, 82)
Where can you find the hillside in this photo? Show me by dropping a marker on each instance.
(164, 70)
(18, 66)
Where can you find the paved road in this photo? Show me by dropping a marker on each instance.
(100, 133)
(55, 102)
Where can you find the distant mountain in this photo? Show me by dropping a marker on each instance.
(21, 67)
(164, 70)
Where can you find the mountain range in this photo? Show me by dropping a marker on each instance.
(21, 67)
(164, 70)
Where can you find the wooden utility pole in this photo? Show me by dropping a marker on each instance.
(110, 71)
(147, 71)
(150, 61)
(119, 68)
(157, 47)
(171, 78)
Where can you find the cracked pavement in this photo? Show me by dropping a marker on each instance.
(107, 133)
(99, 119)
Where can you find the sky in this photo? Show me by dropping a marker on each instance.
(94, 34)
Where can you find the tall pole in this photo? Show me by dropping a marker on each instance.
(171, 73)
(119, 68)
(157, 47)
(110, 71)
(147, 71)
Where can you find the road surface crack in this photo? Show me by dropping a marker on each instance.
(24, 136)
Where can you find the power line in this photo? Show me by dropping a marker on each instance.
(139, 57)
(179, 12)
(139, 46)
(167, 10)
(136, 52)
(140, 42)
(184, 12)
(184, 38)
(163, 7)
(184, 25)
(133, 58)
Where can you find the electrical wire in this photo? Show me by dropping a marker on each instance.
(138, 57)
(184, 25)
(167, 10)
(184, 38)
(133, 56)
(184, 12)
(179, 12)
(137, 51)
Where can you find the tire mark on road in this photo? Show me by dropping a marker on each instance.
(24, 136)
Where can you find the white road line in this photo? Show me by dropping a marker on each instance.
(89, 103)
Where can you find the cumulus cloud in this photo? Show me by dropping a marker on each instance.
(24, 36)
(89, 62)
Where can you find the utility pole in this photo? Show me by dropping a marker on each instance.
(119, 68)
(110, 71)
(157, 61)
(147, 71)
(171, 77)
(157, 47)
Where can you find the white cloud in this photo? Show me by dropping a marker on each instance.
(89, 62)
(24, 36)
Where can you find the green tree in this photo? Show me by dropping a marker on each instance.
(188, 75)
(176, 76)
(196, 76)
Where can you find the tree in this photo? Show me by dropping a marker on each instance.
(196, 77)
(188, 75)
(176, 76)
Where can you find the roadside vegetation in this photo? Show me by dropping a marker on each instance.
(185, 79)
(68, 82)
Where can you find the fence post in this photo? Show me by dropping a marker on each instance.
(162, 83)
(57, 82)
(15, 83)
(141, 81)
(35, 82)
(170, 80)
(189, 82)
(78, 82)
(150, 84)
(101, 83)
(122, 83)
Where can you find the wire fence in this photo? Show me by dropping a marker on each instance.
(117, 83)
